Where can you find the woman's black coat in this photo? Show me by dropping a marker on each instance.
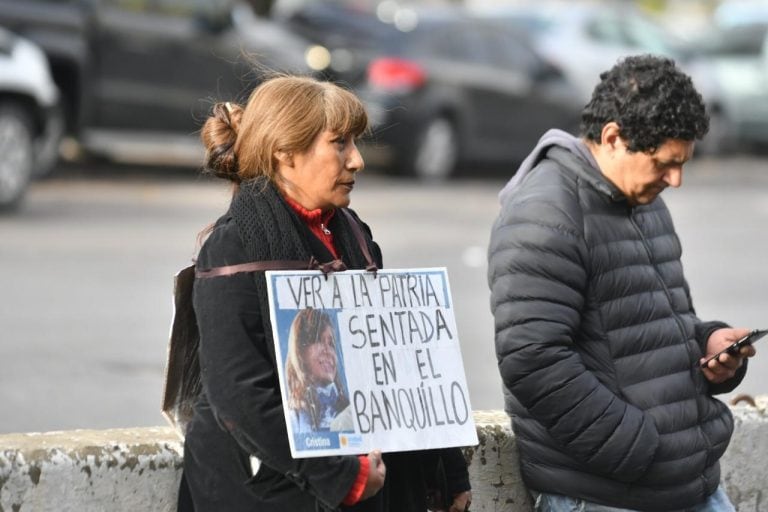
(240, 411)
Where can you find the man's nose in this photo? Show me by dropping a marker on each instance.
(674, 177)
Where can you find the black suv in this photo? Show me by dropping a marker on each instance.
(149, 70)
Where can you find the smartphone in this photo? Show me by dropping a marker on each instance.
(734, 347)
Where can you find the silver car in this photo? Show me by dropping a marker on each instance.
(735, 63)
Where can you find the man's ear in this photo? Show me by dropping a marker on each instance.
(610, 136)
(284, 158)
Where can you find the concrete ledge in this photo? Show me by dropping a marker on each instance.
(90, 471)
(135, 470)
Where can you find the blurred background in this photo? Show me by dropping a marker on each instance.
(101, 196)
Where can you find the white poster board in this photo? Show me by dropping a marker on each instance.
(374, 361)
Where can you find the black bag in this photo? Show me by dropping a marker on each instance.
(182, 370)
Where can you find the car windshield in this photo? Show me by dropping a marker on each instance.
(747, 40)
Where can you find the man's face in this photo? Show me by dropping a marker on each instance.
(642, 176)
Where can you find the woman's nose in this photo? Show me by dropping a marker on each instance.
(355, 161)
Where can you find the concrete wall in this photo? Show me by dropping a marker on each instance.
(90, 471)
(136, 470)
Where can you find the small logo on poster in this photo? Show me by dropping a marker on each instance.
(350, 441)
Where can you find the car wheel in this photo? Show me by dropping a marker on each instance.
(47, 148)
(16, 154)
(437, 152)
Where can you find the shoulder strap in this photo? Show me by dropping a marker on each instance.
(263, 266)
(255, 266)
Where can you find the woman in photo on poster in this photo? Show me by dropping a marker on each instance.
(317, 393)
(290, 153)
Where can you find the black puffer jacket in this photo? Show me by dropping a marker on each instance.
(598, 343)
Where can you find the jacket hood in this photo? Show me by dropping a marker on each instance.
(553, 137)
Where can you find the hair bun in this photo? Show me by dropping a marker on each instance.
(219, 134)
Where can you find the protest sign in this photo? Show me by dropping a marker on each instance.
(369, 361)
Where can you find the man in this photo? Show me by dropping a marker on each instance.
(597, 341)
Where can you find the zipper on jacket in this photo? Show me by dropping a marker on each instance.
(676, 316)
(658, 274)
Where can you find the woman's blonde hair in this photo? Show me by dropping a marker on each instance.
(283, 114)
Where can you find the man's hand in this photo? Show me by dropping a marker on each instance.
(376, 473)
(725, 365)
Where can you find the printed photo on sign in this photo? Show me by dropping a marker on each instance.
(369, 361)
(315, 382)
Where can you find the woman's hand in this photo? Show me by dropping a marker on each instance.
(461, 502)
(724, 367)
(377, 472)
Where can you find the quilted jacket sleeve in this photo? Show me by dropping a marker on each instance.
(240, 378)
(703, 331)
(538, 279)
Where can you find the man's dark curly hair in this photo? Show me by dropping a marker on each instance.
(650, 99)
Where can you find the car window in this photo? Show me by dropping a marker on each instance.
(129, 5)
(605, 31)
(507, 51)
(744, 40)
(180, 8)
(640, 33)
(469, 45)
(451, 42)
(631, 31)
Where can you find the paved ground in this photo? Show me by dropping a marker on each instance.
(86, 270)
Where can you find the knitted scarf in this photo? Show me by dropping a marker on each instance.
(271, 230)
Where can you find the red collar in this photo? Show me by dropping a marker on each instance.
(317, 222)
(313, 218)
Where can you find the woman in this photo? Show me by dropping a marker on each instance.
(316, 390)
(291, 155)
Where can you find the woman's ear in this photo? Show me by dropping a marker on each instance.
(284, 158)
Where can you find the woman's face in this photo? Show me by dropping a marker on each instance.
(323, 176)
(320, 358)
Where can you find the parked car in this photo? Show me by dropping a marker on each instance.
(30, 125)
(735, 13)
(144, 73)
(586, 38)
(735, 62)
(442, 89)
